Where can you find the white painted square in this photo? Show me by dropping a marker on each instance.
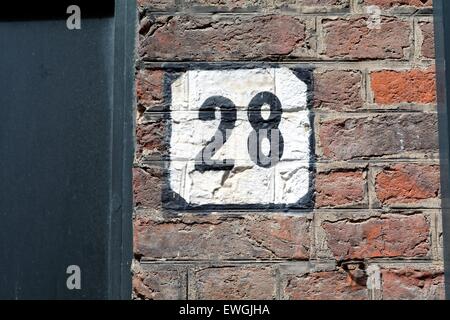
(287, 182)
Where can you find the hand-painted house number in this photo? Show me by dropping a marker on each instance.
(262, 129)
(240, 138)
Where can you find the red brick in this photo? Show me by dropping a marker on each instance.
(353, 39)
(233, 283)
(220, 237)
(325, 285)
(427, 32)
(150, 88)
(399, 3)
(238, 38)
(391, 236)
(378, 135)
(407, 183)
(414, 86)
(159, 285)
(340, 188)
(338, 90)
(147, 186)
(150, 138)
(411, 284)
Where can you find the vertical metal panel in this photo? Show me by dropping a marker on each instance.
(66, 153)
(123, 151)
(442, 40)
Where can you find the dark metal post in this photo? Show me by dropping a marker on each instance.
(442, 40)
(66, 149)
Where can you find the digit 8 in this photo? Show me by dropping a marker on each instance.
(265, 129)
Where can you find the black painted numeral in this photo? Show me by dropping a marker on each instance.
(265, 129)
(262, 129)
(228, 116)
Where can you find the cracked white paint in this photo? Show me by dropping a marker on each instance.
(374, 282)
(247, 184)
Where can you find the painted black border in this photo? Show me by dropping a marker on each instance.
(171, 200)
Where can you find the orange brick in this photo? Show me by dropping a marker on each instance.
(414, 86)
(407, 183)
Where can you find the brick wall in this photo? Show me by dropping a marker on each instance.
(374, 231)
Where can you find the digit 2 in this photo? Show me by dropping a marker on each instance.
(228, 116)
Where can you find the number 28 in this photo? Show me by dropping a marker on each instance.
(262, 129)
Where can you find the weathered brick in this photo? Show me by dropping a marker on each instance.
(389, 236)
(378, 135)
(427, 34)
(147, 186)
(150, 88)
(221, 237)
(162, 284)
(400, 3)
(412, 284)
(340, 188)
(239, 38)
(150, 139)
(155, 5)
(407, 183)
(353, 38)
(323, 285)
(338, 90)
(212, 238)
(413, 86)
(233, 283)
